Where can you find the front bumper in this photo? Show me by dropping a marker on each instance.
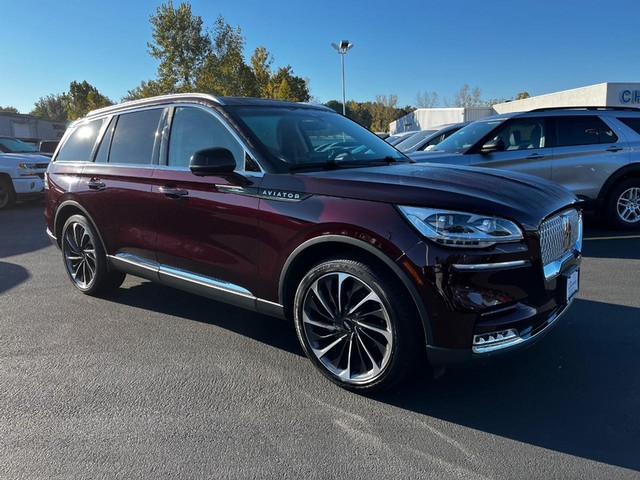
(28, 186)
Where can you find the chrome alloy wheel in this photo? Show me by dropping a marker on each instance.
(80, 254)
(347, 327)
(628, 206)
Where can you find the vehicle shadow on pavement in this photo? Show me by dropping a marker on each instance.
(12, 275)
(170, 301)
(577, 391)
(22, 229)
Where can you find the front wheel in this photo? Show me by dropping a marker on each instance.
(85, 259)
(623, 205)
(7, 193)
(356, 324)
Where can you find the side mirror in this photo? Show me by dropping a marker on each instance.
(491, 146)
(212, 161)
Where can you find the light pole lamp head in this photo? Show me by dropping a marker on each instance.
(343, 47)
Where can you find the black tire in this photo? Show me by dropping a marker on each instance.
(84, 258)
(7, 193)
(622, 209)
(381, 337)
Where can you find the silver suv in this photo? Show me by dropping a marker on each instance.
(592, 151)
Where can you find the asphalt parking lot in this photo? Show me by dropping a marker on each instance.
(151, 382)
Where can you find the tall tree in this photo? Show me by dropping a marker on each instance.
(224, 70)
(82, 98)
(383, 111)
(150, 88)
(51, 107)
(427, 99)
(468, 97)
(261, 62)
(180, 44)
(287, 86)
(9, 110)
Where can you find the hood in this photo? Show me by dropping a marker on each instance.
(16, 158)
(512, 195)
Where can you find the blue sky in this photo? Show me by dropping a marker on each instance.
(501, 46)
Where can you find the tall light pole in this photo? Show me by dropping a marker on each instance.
(343, 48)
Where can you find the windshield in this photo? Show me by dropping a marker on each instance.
(466, 137)
(413, 140)
(300, 138)
(13, 145)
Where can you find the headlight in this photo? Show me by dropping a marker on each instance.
(460, 229)
(27, 167)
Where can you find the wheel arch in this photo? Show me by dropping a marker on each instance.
(65, 211)
(315, 250)
(620, 175)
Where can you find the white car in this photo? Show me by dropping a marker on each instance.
(21, 177)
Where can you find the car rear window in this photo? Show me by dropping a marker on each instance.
(583, 130)
(633, 123)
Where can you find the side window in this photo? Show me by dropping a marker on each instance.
(631, 122)
(194, 129)
(105, 143)
(583, 130)
(79, 145)
(134, 137)
(523, 134)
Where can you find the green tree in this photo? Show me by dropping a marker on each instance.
(9, 110)
(383, 112)
(261, 62)
(287, 86)
(522, 95)
(181, 46)
(82, 98)
(150, 88)
(51, 107)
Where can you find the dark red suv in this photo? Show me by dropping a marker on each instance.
(293, 210)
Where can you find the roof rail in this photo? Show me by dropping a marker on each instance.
(581, 107)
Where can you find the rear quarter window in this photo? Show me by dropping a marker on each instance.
(79, 145)
(583, 130)
(632, 123)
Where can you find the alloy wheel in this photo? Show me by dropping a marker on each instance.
(80, 254)
(628, 206)
(347, 327)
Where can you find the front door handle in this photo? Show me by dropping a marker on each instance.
(534, 156)
(173, 192)
(614, 148)
(96, 184)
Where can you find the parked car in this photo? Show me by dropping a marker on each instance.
(398, 137)
(592, 151)
(295, 211)
(47, 147)
(428, 139)
(15, 145)
(21, 177)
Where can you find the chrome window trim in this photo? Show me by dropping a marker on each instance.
(491, 266)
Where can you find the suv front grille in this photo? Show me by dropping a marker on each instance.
(560, 236)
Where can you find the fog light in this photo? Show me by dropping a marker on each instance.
(480, 342)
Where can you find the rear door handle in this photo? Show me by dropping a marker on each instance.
(534, 156)
(173, 192)
(96, 184)
(614, 148)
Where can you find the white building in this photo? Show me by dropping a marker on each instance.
(601, 95)
(610, 94)
(425, 118)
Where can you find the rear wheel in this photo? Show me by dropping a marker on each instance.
(7, 193)
(623, 205)
(85, 259)
(356, 324)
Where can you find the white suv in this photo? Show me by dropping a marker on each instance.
(592, 151)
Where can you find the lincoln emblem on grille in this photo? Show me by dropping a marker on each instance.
(566, 232)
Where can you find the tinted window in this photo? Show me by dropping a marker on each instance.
(523, 134)
(194, 129)
(79, 145)
(134, 137)
(103, 149)
(466, 137)
(633, 123)
(583, 130)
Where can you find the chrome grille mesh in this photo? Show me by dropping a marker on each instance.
(559, 235)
